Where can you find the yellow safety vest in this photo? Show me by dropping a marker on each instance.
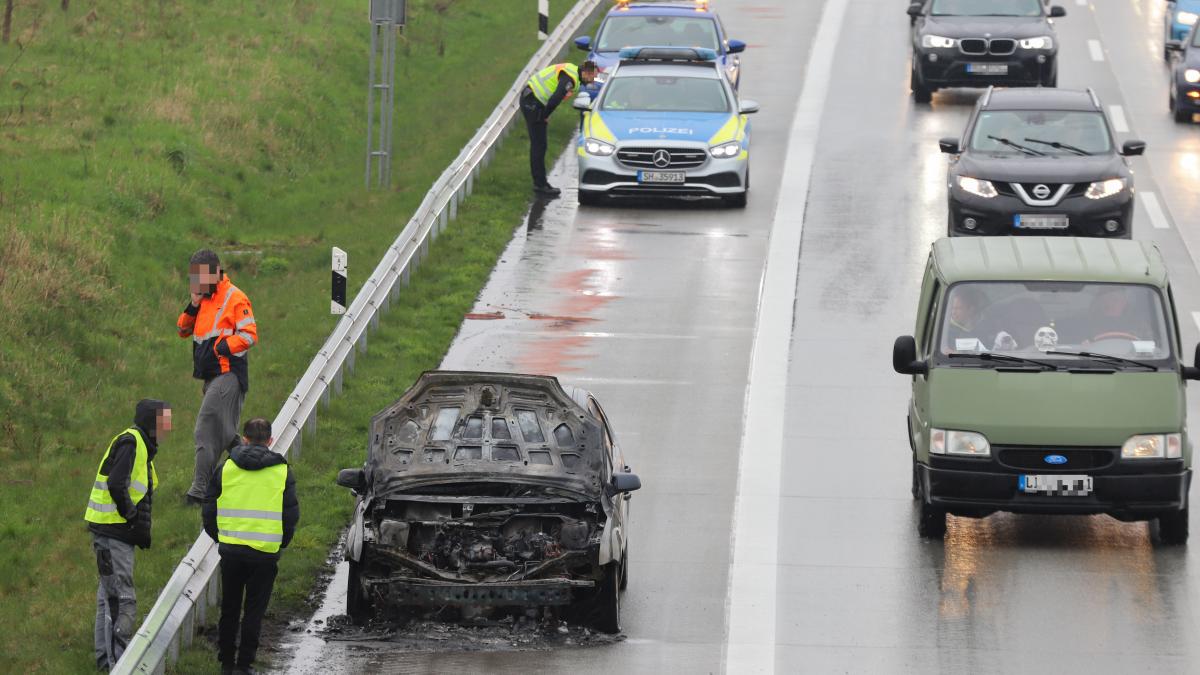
(545, 81)
(101, 508)
(250, 508)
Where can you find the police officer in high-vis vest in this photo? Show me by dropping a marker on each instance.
(251, 511)
(542, 94)
(118, 516)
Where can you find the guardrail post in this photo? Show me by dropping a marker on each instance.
(469, 185)
(188, 630)
(310, 425)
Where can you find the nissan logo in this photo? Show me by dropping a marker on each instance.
(661, 159)
(1041, 191)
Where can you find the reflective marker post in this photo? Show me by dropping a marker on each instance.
(337, 303)
(543, 19)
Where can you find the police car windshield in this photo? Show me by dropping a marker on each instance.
(657, 31)
(1040, 319)
(986, 8)
(665, 94)
(1047, 132)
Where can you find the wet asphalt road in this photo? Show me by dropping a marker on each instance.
(654, 310)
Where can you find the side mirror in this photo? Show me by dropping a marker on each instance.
(904, 357)
(1133, 148)
(748, 107)
(355, 479)
(1193, 372)
(626, 482)
(1174, 45)
(735, 46)
(914, 10)
(949, 145)
(584, 42)
(1057, 11)
(582, 102)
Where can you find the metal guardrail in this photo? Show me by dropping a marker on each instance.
(192, 589)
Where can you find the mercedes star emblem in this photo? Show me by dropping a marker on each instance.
(661, 159)
(1041, 191)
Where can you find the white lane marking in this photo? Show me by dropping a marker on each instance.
(1196, 319)
(1096, 51)
(1117, 114)
(1081, 3)
(1154, 210)
(750, 600)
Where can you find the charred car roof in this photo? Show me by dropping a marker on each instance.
(455, 427)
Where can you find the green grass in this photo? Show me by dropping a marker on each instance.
(132, 133)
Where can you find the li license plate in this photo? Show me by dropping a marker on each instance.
(1056, 485)
(987, 68)
(1039, 222)
(660, 176)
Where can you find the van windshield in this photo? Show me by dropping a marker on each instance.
(1046, 319)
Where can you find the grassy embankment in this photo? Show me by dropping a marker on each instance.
(131, 134)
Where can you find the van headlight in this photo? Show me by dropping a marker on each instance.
(1105, 188)
(595, 147)
(1153, 446)
(937, 42)
(1186, 18)
(730, 149)
(961, 443)
(1041, 42)
(977, 186)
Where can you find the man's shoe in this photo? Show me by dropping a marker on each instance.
(245, 670)
(226, 670)
(547, 190)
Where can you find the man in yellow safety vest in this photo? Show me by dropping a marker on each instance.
(251, 511)
(118, 516)
(542, 94)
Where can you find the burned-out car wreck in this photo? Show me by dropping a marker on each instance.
(487, 492)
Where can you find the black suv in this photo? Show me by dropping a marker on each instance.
(977, 43)
(1039, 161)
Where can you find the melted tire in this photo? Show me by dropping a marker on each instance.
(358, 605)
(605, 609)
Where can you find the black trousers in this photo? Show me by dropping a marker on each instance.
(535, 123)
(245, 587)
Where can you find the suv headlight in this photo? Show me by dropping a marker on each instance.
(1186, 18)
(1105, 188)
(977, 186)
(1153, 446)
(730, 149)
(962, 443)
(595, 147)
(1041, 42)
(937, 41)
(1191, 75)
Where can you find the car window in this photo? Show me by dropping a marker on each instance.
(1046, 132)
(1033, 319)
(656, 31)
(667, 94)
(986, 8)
(930, 318)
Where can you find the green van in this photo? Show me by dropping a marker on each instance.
(1047, 378)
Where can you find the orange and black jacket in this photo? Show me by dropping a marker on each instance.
(222, 330)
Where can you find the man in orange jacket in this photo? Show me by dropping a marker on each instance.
(220, 322)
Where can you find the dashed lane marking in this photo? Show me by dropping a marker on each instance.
(1154, 210)
(1117, 115)
(1096, 50)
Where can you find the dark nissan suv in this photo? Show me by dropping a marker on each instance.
(1039, 161)
(977, 43)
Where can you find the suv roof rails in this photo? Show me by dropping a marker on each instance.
(987, 96)
(1095, 99)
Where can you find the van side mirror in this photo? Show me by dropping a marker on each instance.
(582, 102)
(1133, 148)
(626, 482)
(1193, 372)
(355, 479)
(949, 145)
(1174, 45)
(1057, 11)
(584, 43)
(904, 357)
(735, 46)
(914, 10)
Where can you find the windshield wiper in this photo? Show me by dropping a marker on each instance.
(1005, 358)
(1060, 146)
(1108, 358)
(1023, 148)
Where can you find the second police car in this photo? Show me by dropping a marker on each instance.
(667, 123)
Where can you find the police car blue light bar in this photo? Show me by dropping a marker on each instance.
(668, 54)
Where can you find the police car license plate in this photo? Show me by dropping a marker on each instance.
(987, 68)
(1040, 222)
(660, 176)
(1057, 485)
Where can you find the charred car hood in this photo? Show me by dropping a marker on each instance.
(987, 26)
(1054, 169)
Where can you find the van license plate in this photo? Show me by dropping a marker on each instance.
(1056, 485)
(987, 68)
(1040, 222)
(660, 176)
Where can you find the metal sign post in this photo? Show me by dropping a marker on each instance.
(337, 304)
(543, 19)
(386, 16)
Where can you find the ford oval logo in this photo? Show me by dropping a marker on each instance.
(1055, 459)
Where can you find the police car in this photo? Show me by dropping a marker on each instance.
(674, 24)
(666, 123)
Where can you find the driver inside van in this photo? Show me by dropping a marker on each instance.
(1116, 315)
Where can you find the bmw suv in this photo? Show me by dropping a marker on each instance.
(1039, 161)
(977, 43)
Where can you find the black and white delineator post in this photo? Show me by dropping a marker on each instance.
(337, 304)
(543, 19)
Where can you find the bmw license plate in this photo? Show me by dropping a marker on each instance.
(1040, 222)
(1057, 485)
(987, 68)
(660, 176)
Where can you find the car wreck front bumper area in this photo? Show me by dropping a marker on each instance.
(417, 592)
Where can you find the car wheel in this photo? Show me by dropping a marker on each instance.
(920, 93)
(590, 198)
(1180, 116)
(737, 201)
(606, 605)
(1050, 80)
(1173, 527)
(358, 605)
(625, 568)
(916, 480)
(931, 520)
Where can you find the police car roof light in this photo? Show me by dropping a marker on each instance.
(695, 54)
